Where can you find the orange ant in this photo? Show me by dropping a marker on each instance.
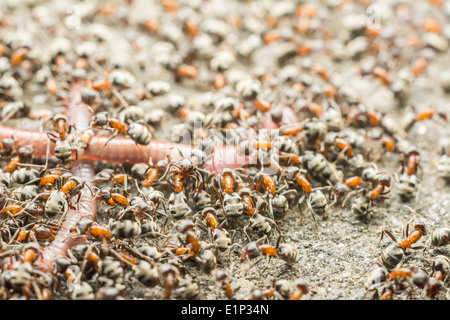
(411, 159)
(255, 250)
(408, 238)
(112, 198)
(108, 175)
(381, 181)
(247, 201)
(265, 183)
(424, 115)
(353, 181)
(152, 173)
(186, 168)
(24, 154)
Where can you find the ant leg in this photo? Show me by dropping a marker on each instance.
(37, 290)
(223, 223)
(264, 238)
(120, 97)
(47, 154)
(263, 270)
(279, 240)
(373, 262)
(165, 173)
(223, 207)
(164, 183)
(245, 231)
(334, 200)
(235, 244)
(187, 213)
(349, 195)
(275, 224)
(341, 155)
(204, 171)
(200, 224)
(252, 265)
(382, 234)
(83, 265)
(302, 216)
(51, 135)
(179, 152)
(405, 229)
(119, 257)
(271, 209)
(351, 219)
(423, 248)
(308, 202)
(167, 216)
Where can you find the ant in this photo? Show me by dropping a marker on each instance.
(222, 277)
(151, 174)
(265, 183)
(63, 148)
(108, 175)
(255, 250)
(184, 169)
(408, 238)
(248, 202)
(227, 180)
(342, 144)
(440, 237)
(112, 198)
(410, 161)
(24, 154)
(424, 115)
(381, 182)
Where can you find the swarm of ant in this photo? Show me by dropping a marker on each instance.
(96, 203)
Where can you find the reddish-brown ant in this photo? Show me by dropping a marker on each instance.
(408, 238)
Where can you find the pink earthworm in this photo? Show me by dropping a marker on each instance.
(86, 207)
(123, 149)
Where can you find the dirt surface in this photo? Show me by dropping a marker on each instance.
(344, 247)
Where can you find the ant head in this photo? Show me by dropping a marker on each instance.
(183, 166)
(229, 171)
(161, 164)
(384, 179)
(419, 224)
(341, 189)
(245, 191)
(184, 225)
(199, 156)
(290, 172)
(412, 150)
(100, 119)
(26, 152)
(208, 209)
(60, 116)
(7, 143)
(104, 193)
